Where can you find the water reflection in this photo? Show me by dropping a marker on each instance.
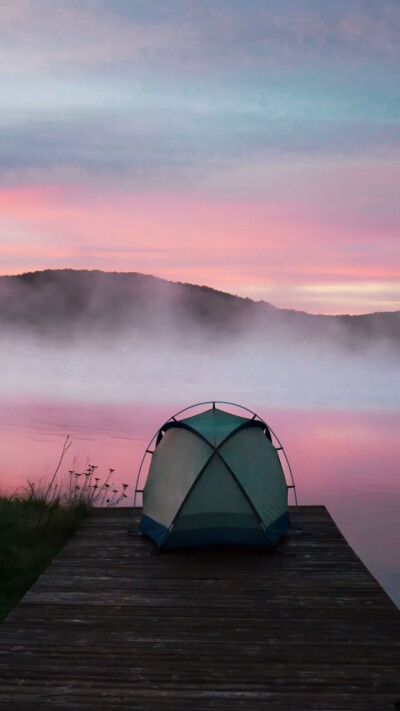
(345, 460)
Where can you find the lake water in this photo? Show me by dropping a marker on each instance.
(348, 461)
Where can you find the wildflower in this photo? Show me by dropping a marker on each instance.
(112, 470)
(115, 491)
(71, 471)
(107, 486)
(124, 486)
(96, 478)
(107, 501)
(95, 486)
(124, 496)
(77, 487)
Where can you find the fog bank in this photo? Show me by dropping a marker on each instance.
(95, 336)
(251, 371)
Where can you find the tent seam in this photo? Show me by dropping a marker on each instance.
(242, 426)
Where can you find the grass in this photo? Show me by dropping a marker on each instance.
(31, 533)
(36, 522)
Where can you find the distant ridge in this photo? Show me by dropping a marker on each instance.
(80, 302)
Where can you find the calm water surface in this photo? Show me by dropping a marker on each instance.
(348, 461)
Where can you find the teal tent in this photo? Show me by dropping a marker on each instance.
(215, 478)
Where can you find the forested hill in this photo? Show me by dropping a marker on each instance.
(77, 303)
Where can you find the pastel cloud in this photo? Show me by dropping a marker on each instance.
(122, 112)
(157, 135)
(69, 34)
(277, 252)
(251, 146)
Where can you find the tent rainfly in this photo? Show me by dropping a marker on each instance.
(214, 478)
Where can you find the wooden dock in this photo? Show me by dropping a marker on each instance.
(111, 625)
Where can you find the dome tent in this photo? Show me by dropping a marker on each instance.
(214, 478)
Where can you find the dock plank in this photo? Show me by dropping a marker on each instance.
(110, 623)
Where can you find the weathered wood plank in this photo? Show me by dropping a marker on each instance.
(112, 624)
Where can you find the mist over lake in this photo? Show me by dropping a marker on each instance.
(127, 337)
(108, 358)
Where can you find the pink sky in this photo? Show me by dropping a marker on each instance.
(253, 147)
(295, 254)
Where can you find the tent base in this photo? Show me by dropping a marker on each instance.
(215, 536)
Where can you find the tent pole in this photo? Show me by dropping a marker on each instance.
(291, 476)
(146, 452)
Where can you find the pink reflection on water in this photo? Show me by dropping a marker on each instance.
(108, 435)
(348, 461)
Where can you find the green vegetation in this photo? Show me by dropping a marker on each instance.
(37, 521)
(32, 531)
